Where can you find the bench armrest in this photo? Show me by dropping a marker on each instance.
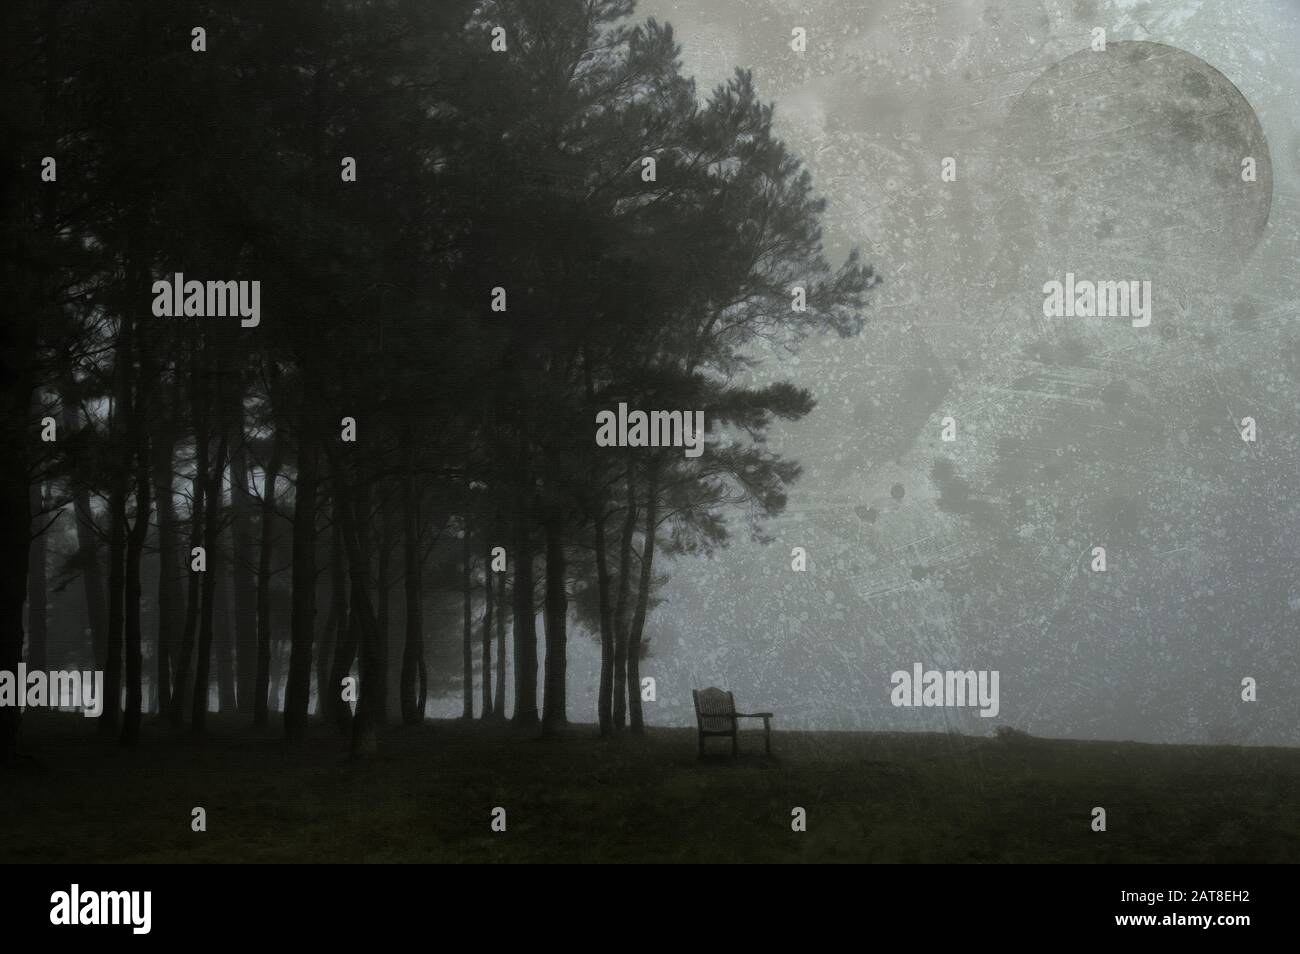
(754, 715)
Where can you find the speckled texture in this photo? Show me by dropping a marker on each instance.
(1072, 433)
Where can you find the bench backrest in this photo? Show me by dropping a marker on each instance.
(715, 709)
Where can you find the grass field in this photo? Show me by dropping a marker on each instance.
(429, 793)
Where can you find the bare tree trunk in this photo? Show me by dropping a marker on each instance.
(353, 645)
(139, 434)
(376, 678)
(211, 528)
(181, 683)
(15, 513)
(277, 667)
(164, 447)
(413, 647)
(525, 628)
(345, 647)
(350, 504)
(499, 704)
(303, 614)
(92, 576)
(361, 612)
(487, 634)
(108, 721)
(266, 551)
(422, 699)
(555, 689)
(370, 668)
(362, 630)
(642, 601)
(241, 536)
(134, 549)
(37, 599)
(118, 489)
(605, 697)
(620, 607)
(467, 634)
(334, 632)
(224, 644)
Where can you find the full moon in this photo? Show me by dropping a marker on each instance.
(1128, 164)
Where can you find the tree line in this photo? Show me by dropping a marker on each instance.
(475, 225)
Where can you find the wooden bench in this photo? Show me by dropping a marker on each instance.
(715, 714)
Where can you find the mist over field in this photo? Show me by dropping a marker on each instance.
(649, 431)
(925, 468)
(1072, 433)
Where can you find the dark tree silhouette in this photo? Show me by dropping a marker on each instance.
(463, 256)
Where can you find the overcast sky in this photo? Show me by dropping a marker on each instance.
(1071, 433)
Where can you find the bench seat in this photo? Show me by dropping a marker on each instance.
(716, 715)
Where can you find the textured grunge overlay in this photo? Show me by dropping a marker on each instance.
(1070, 433)
(879, 365)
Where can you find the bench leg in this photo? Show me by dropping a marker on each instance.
(701, 745)
(767, 737)
(734, 750)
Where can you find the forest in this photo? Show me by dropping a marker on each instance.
(429, 244)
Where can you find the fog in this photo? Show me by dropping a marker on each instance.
(1071, 433)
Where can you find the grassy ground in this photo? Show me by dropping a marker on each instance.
(429, 793)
